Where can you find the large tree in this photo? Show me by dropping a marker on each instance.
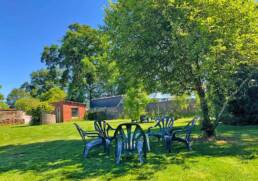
(183, 45)
(83, 58)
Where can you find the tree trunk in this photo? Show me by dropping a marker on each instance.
(206, 125)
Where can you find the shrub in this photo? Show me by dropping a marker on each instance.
(97, 115)
(26, 104)
(33, 107)
(243, 107)
(3, 105)
(135, 102)
(43, 107)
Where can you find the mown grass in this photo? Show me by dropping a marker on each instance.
(54, 152)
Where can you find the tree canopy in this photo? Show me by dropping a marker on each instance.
(84, 62)
(55, 94)
(42, 80)
(16, 94)
(183, 46)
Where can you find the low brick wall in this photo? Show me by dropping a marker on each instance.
(8, 117)
(11, 121)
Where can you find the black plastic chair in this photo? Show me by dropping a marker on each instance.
(164, 126)
(129, 138)
(103, 129)
(186, 131)
(91, 143)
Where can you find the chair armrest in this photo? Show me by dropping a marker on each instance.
(90, 134)
(110, 127)
(149, 129)
(174, 132)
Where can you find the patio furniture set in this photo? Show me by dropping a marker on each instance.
(130, 137)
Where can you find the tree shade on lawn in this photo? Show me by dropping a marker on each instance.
(54, 152)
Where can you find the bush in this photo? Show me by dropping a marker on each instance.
(36, 112)
(3, 105)
(135, 102)
(26, 104)
(97, 115)
(243, 108)
(33, 107)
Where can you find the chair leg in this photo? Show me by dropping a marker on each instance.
(118, 152)
(188, 145)
(107, 146)
(85, 151)
(148, 142)
(168, 142)
(140, 151)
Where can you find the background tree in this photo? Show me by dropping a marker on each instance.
(135, 102)
(82, 57)
(42, 81)
(3, 105)
(53, 95)
(183, 46)
(16, 94)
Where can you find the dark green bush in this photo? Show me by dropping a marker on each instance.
(243, 108)
(97, 116)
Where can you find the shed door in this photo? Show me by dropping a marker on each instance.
(58, 115)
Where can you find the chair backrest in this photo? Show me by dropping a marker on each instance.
(166, 124)
(130, 134)
(102, 127)
(80, 130)
(188, 128)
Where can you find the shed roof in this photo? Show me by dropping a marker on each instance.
(69, 102)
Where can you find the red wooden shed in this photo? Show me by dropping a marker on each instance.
(68, 110)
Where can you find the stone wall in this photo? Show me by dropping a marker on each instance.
(8, 117)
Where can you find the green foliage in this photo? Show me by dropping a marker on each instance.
(16, 94)
(36, 112)
(27, 104)
(135, 102)
(42, 81)
(3, 105)
(82, 55)
(182, 105)
(1, 95)
(55, 94)
(181, 46)
(55, 151)
(33, 107)
(243, 107)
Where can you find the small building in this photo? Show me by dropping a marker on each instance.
(68, 110)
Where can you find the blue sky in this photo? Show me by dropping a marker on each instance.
(29, 25)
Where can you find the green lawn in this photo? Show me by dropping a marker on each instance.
(54, 152)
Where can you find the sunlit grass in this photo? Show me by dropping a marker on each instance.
(54, 152)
